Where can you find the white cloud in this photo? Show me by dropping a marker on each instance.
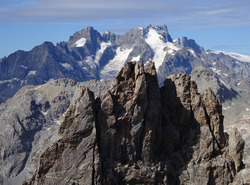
(176, 13)
(218, 11)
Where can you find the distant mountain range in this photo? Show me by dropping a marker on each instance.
(90, 55)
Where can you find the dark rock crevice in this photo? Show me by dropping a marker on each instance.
(216, 146)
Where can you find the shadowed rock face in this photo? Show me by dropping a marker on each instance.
(138, 133)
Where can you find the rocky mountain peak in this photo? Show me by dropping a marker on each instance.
(89, 55)
(185, 42)
(130, 39)
(80, 38)
(138, 133)
(109, 37)
(161, 30)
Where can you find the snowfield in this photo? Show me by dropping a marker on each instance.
(159, 47)
(237, 56)
(81, 42)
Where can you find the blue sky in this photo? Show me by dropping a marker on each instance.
(217, 25)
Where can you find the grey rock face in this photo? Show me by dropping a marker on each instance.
(41, 64)
(240, 137)
(236, 146)
(129, 122)
(205, 79)
(235, 104)
(138, 133)
(71, 159)
(185, 42)
(229, 70)
(30, 122)
(92, 39)
(98, 87)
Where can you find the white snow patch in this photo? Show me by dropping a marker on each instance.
(225, 108)
(10, 85)
(80, 63)
(223, 82)
(202, 59)
(136, 58)
(140, 28)
(85, 68)
(44, 113)
(31, 73)
(38, 87)
(58, 122)
(237, 56)
(67, 66)
(24, 67)
(5, 81)
(93, 60)
(159, 47)
(81, 42)
(247, 109)
(154, 41)
(192, 52)
(175, 40)
(246, 116)
(111, 69)
(23, 82)
(216, 70)
(238, 83)
(90, 61)
(214, 63)
(225, 74)
(172, 48)
(99, 53)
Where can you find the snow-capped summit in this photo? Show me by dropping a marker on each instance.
(160, 46)
(163, 31)
(90, 55)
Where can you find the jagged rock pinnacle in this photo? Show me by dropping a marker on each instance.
(138, 133)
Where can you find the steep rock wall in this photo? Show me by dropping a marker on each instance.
(138, 133)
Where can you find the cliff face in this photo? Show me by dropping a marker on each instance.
(138, 133)
(30, 122)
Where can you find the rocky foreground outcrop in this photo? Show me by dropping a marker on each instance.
(29, 125)
(138, 133)
(30, 122)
